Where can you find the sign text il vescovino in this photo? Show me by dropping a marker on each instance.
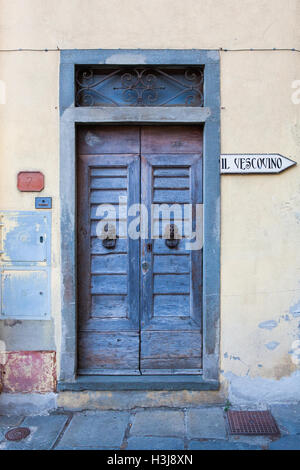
(254, 163)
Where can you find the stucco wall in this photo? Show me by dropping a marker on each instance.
(260, 233)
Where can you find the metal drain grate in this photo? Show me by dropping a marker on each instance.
(255, 423)
(16, 434)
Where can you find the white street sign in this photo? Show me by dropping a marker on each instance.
(245, 163)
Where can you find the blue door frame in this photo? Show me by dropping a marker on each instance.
(209, 115)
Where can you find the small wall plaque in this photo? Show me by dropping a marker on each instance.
(30, 181)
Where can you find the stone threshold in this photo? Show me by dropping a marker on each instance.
(154, 382)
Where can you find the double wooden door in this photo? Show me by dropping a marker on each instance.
(139, 297)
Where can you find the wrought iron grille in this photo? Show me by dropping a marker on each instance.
(139, 86)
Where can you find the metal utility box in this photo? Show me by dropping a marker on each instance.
(25, 258)
(24, 237)
(25, 293)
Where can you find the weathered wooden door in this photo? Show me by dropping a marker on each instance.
(139, 300)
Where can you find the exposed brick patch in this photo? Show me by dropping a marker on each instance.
(29, 371)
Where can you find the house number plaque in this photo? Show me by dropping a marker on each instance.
(30, 181)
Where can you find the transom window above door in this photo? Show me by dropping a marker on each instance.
(139, 86)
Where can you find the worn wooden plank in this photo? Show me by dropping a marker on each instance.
(171, 305)
(171, 372)
(196, 255)
(170, 350)
(174, 322)
(134, 247)
(110, 324)
(172, 161)
(109, 351)
(108, 183)
(108, 139)
(108, 284)
(109, 263)
(83, 241)
(99, 196)
(118, 373)
(103, 161)
(171, 196)
(109, 306)
(171, 283)
(99, 215)
(171, 139)
(160, 247)
(171, 183)
(146, 255)
(171, 264)
(171, 172)
(105, 172)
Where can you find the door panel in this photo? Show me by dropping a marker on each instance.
(171, 139)
(172, 283)
(97, 139)
(170, 352)
(108, 301)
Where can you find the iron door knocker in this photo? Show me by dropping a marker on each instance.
(109, 238)
(172, 242)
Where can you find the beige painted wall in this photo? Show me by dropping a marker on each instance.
(260, 236)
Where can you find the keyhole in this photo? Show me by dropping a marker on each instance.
(41, 239)
(145, 267)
